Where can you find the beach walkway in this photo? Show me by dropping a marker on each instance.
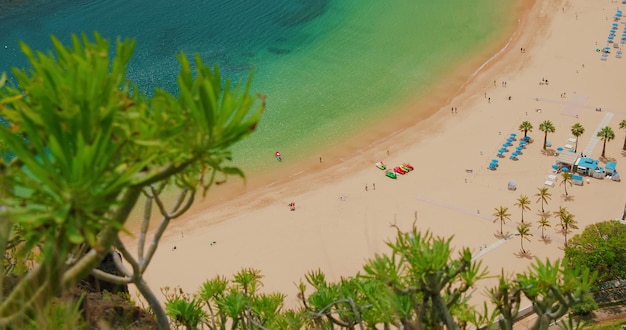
(491, 247)
(594, 137)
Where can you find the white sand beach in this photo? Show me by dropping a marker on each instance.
(338, 224)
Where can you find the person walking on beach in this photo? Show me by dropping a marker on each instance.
(366, 187)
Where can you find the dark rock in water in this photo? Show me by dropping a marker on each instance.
(310, 10)
(279, 51)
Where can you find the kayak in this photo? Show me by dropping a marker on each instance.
(381, 165)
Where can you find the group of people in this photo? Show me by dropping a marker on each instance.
(292, 206)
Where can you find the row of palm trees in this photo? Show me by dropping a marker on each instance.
(566, 219)
(605, 134)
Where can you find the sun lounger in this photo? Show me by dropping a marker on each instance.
(551, 177)
(549, 183)
(569, 146)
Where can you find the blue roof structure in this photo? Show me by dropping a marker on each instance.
(588, 163)
(611, 166)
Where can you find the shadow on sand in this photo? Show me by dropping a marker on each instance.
(546, 240)
(524, 254)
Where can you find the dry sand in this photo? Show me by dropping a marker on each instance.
(337, 235)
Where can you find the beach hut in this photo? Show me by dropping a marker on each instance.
(577, 180)
(586, 166)
(610, 168)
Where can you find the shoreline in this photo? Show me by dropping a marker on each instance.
(381, 132)
(337, 235)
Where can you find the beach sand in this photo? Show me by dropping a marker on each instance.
(338, 224)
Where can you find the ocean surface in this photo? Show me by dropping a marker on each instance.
(327, 67)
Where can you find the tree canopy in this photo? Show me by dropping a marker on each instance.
(600, 247)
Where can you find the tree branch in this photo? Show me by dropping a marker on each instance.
(5, 233)
(145, 224)
(164, 223)
(106, 238)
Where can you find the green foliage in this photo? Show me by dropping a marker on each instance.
(60, 314)
(577, 131)
(586, 306)
(600, 247)
(526, 127)
(552, 289)
(85, 143)
(185, 312)
(236, 303)
(605, 134)
(419, 285)
(501, 214)
(546, 127)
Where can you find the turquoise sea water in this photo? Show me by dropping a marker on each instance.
(327, 67)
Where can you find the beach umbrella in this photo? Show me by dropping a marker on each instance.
(559, 149)
(495, 161)
(555, 166)
(513, 135)
(501, 150)
(565, 169)
(515, 153)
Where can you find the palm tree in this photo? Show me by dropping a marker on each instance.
(523, 203)
(543, 195)
(622, 125)
(567, 223)
(606, 134)
(560, 214)
(566, 178)
(501, 215)
(526, 127)
(546, 127)
(524, 232)
(543, 223)
(577, 130)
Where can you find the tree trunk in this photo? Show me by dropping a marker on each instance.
(545, 140)
(603, 147)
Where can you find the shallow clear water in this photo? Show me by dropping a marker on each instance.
(327, 67)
